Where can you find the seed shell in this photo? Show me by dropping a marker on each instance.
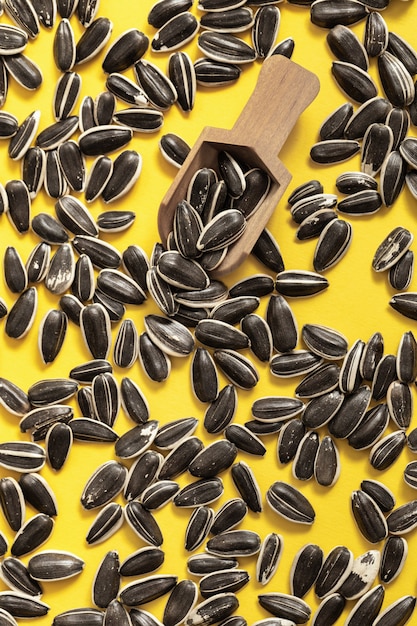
(290, 503)
(305, 568)
(176, 32)
(393, 556)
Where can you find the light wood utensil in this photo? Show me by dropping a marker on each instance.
(283, 90)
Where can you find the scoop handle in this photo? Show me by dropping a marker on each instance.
(283, 90)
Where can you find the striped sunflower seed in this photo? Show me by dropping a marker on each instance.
(332, 245)
(54, 565)
(362, 576)
(103, 485)
(335, 570)
(126, 170)
(174, 149)
(329, 610)
(72, 165)
(228, 21)
(393, 556)
(327, 463)
(199, 493)
(285, 606)
(154, 361)
(368, 517)
(33, 170)
(176, 32)
(129, 47)
(290, 503)
(32, 534)
(334, 125)
(198, 527)
(93, 40)
(64, 49)
(374, 110)
(334, 150)
(327, 13)
(12, 502)
(19, 205)
(12, 39)
(392, 178)
(225, 48)
(157, 86)
(136, 440)
(265, 29)
(399, 611)
(173, 433)
(392, 248)
(180, 603)
(397, 83)
(346, 46)
(305, 568)
(210, 611)
(22, 314)
(16, 575)
(376, 34)
(106, 523)
(214, 73)
(355, 82)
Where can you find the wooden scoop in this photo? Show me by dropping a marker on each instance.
(284, 89)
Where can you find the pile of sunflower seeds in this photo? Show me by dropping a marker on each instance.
(335, 375)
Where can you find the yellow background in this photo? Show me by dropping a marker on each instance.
(356, 303)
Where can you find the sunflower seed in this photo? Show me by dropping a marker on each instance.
(12, 502)
(90, 617)
(329, 610)
(327, 14)
(396, 82)
(245, 482)
(24, 15)
(290, 503)
(180, 457)
(173, 433)
(392, 248)
(199, 493)
(398, 612)
(64, 49)
(125, 89)
(362, 576)
(351, 413)
(346, 46)
(33, 170)
(305, 568)
(86, 372)
(327, 463)
(237, 368)
(16, 575)
(367, 607)
(335, 570)
(136, 440)
(21, 315)
(308, 206)
(285, 48)
(285, 606)
(198, 527)
(214, 73)
(355, 82)
(54, 565)
(130, 46)
(18, 605)
(154, 361)
(142, 473)
(352, 182)
(106, 523)
(19, 205)
(169, 335)
(126, 171)
(369, 517)
(401, 273)
(393, 557)
(104, 484)
(158, 88)
(14, 270)
(104, 139)
(106, 580)
(176, 32)
(12, 39)
(32, 535)
(305, 457)
(320, 410)
(333, 243)
(147, 589)
(93, 39)
(56, 133)
(228, 21)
